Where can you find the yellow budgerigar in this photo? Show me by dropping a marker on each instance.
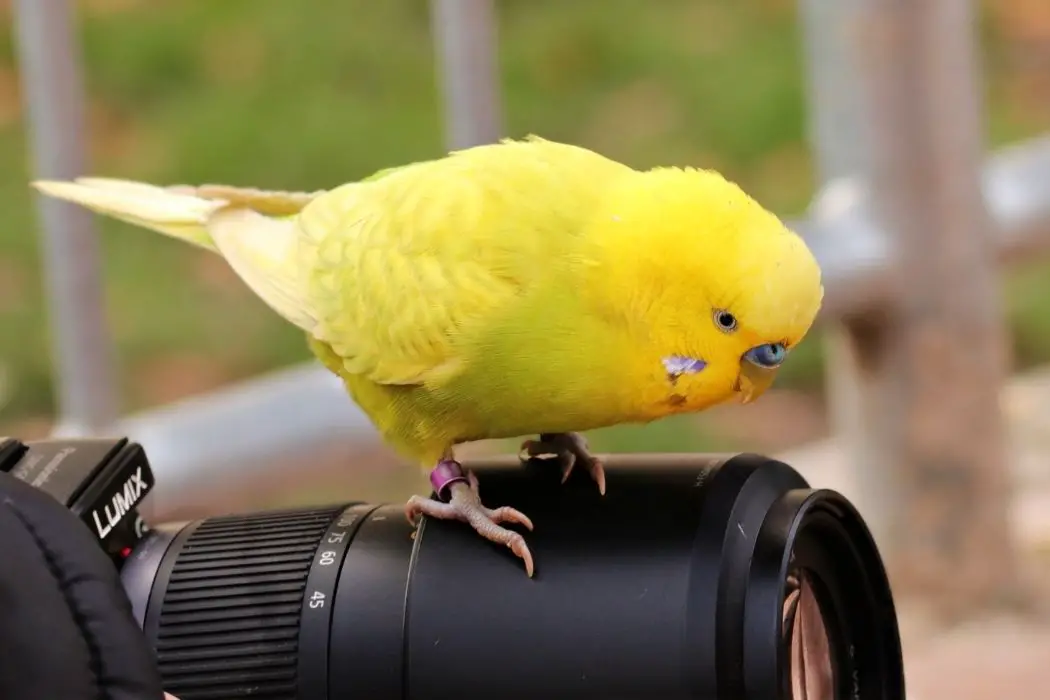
(525, 287)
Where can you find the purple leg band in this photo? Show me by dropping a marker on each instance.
(446, 473)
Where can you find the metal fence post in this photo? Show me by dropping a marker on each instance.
(468, 69)
(840, 137)
(48, 54)
(927, 372)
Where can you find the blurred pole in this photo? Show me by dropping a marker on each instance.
(48, 54)
(928, 373)
(838, 119)
(468, 70)
(841, 140)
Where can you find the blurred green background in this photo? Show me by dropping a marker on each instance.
(312, 93)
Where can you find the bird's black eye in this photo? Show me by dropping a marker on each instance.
(725, 320)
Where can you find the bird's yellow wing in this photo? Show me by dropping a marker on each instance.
(411, 268)
(401, 275)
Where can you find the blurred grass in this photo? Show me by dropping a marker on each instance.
(308, 94)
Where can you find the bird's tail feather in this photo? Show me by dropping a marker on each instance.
(166, 211)
(252, 229)
(179, 211)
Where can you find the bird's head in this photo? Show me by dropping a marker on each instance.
(716, 289)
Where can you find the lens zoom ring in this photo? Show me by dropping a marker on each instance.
(229, 622)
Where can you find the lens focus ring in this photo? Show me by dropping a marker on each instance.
(229, 624)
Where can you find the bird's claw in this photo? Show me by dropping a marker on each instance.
(466, 507)
(571, 449)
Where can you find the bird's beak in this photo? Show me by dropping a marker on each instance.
(754, 381)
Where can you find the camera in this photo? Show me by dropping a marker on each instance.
(101, 481)
(693, 577)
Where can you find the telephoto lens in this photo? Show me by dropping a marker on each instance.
(699, 577)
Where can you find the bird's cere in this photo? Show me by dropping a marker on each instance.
(769, 355)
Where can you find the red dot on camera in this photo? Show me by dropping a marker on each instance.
(125, 552)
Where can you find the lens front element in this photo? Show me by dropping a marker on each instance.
(805, 643)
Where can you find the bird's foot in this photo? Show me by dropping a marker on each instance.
(463, 503)
(572, 450)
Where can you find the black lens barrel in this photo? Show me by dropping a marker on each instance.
(669, 587)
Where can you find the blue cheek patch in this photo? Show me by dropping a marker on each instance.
(677, 365)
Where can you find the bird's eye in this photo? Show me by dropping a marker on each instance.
(725, 320)
(768, 356)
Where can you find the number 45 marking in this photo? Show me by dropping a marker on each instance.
(317, 600)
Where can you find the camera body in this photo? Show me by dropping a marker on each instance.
(102, 481)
